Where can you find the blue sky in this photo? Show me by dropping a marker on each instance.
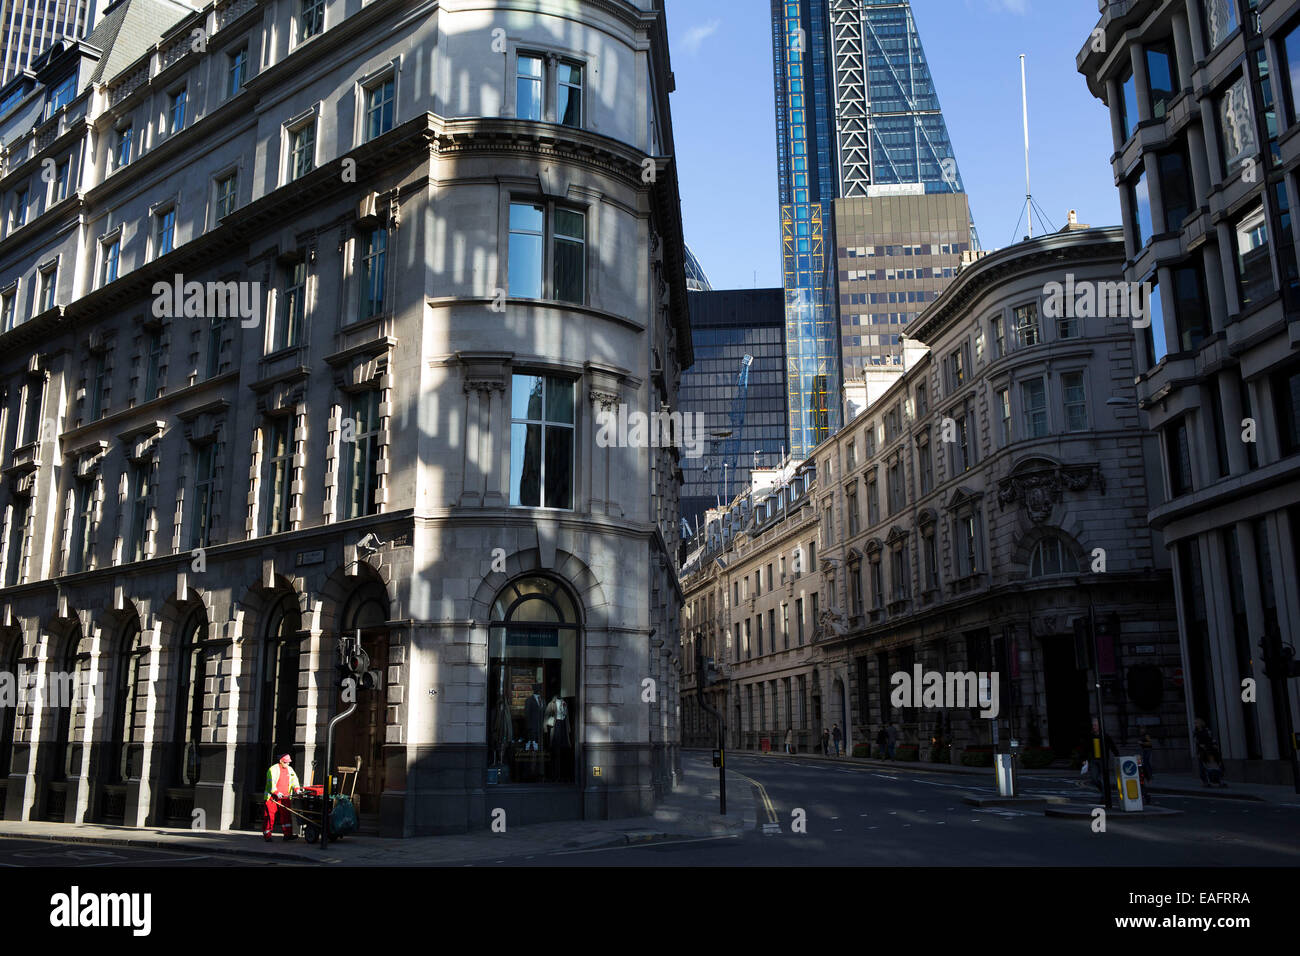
(725, 127)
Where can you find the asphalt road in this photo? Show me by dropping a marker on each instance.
(28, 853)
(857, 816)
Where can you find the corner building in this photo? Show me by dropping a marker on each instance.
(1202, 97)
(450, 237)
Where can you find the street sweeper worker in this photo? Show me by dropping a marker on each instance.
(281, 782)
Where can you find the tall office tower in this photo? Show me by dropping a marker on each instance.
(857, 118)
(725, 326)
(28, 27)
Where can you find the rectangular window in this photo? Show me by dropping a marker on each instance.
(1128, 113)
(83, 518)
(216, 333)
(967, 536)
(570, 256)
(925, 465)
(1191, 309)
(112, 252)
(873, 500)
(758, 634)
(1254, 267)
(312, 18)
(542, 425)
(302, 150)
(62, 95)
(1289, 47)
(1027, 331)
(18, 211)
(1162, 76)
(922, 401)
(1178, 458)
(1175, 189)
(1033, 407)
(62, 179)
(45, 298)
(32, 411)
(963, 457)
(98, 385)
(1004, 418)
(528, 87)
(1236, 126)
(1140, 208)
(8, 311)
(374, 258)
(360, 457)
(139, 478)
(1288, 268)
(894, 486)
(527, 237)
(1220, 20)
(958, 362)
(379, 108)
(164, 232)
(1286, 402)
(568, 103)
(850, 457)
(749, 637)
(828, 525)
(877, 583)
(227, 189)
(236, 70)
(18, 511)
(812, 607)
(1076, 402)
(899, 572)
(176, 111)
(1157, 347)
(289, 329)
(798, 613)
(122, 152)
(279, 473)
(205, 491)
(153, 371)
(997, 335)
(931, 562)
(851, 503)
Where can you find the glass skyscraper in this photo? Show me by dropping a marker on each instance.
(725, 326)
(857, 118)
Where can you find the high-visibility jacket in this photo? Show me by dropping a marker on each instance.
(273, 777)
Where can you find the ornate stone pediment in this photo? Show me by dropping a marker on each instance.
(895, 534)
(1041, 487)
(142, 442)
(201, 424)
(88, 457)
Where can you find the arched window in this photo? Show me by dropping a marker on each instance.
(533, 684)
(66, 692)
(131, 699)
(191, 673)
(1052, 556)
(281, 665)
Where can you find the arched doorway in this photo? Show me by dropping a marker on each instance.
(122, 757)
(185, 763)
(66, 684)
(278, 676)
(839, 712)
(362, 735)
(533, 667)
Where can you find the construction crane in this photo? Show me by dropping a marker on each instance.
(731, 436)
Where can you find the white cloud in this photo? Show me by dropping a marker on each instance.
(696, 35)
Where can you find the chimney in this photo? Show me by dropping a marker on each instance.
(1072, 223)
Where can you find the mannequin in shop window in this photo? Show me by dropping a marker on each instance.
(534, 712)
(559, 735)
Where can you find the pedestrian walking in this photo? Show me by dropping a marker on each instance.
(882, 743)
(789, 741)
(826, 742)
(1208, 759)
(891, 739)
(837, 736)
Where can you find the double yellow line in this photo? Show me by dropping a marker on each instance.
(762, 792)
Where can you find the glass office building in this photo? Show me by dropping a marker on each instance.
(858, 117)
(725, 326)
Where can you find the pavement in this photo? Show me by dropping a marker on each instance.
(687, 818)
(688, 813)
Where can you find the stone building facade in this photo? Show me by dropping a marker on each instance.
(309, 314)
(989, 505)
(1202, 98)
